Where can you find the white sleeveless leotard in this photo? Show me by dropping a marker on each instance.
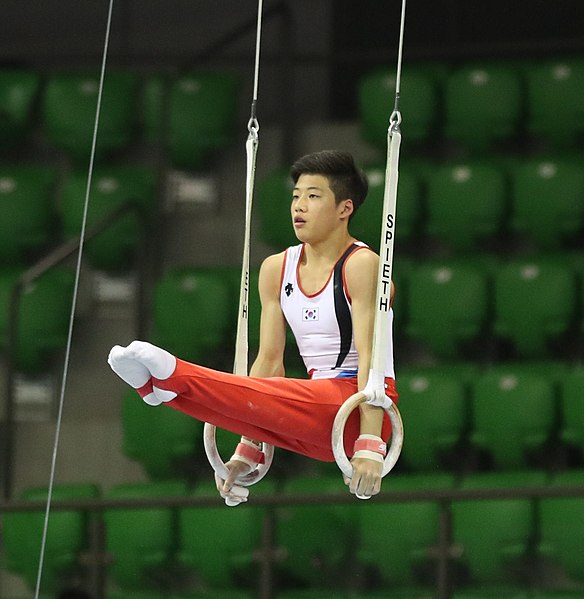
(321, 322)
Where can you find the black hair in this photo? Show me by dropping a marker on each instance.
(345, 179)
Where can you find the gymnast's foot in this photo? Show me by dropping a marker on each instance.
(137, 363)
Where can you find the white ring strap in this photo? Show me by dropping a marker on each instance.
(240, 365)
(374, 392)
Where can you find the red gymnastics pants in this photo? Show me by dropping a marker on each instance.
(293, 414)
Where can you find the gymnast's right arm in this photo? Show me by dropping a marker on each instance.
(270, 357)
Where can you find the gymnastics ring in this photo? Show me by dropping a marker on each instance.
(397, 434)
(218, 465)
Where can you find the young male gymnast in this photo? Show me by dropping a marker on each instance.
(325, 289)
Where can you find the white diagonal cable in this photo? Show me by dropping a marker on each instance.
(73, 305)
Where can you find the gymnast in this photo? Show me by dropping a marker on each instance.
(325, 290)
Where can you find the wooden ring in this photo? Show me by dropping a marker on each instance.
(338, 433)
(218, 465)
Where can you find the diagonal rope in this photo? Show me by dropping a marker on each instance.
(73, 305)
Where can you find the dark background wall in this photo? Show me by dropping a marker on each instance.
(366, 33)
(329, 42)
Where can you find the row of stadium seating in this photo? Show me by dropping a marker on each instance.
(504, 539)
(190, 115)
(452, 414)
(478, 104)
(43, 316)
(452, 308)
(461, 204)
(39, 207)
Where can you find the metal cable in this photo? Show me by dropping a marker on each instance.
(73, 306)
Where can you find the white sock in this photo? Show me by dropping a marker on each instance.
(158, 361)
(127, 368)
(151, 399)
(162, 395)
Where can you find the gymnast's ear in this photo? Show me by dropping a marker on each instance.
(346, 208)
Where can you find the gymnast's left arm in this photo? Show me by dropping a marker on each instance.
(361, 273)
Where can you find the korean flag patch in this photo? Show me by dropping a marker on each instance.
(309, 314)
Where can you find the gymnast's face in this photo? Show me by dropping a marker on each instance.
(315, 212)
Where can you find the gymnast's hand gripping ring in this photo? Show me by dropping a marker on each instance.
(397, 433)
(219, 466)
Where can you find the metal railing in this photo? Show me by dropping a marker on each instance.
(267, 555)
(55, 258)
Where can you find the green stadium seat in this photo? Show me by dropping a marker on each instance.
(412, 526)
(513, 415)
(483, 105)
(165, 441)
(534, 303)
(69, 107)
(400, 275)
(112, 188)
(67, 536)
(194, 113)
(366, 224)
(554, 371)
(447, 305)
(561, 526)
(418, 104)
(466, 204)
(547, 201)
(141, 541)
(572, 429)
(546, 82)
(26, 211)
(43, 317)
(217, 544)
(493, 535)
(19, 89)
(433, 408)
(463, 371)
(314, 539)
(274, 195)
(193, 313)
(153, 108)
